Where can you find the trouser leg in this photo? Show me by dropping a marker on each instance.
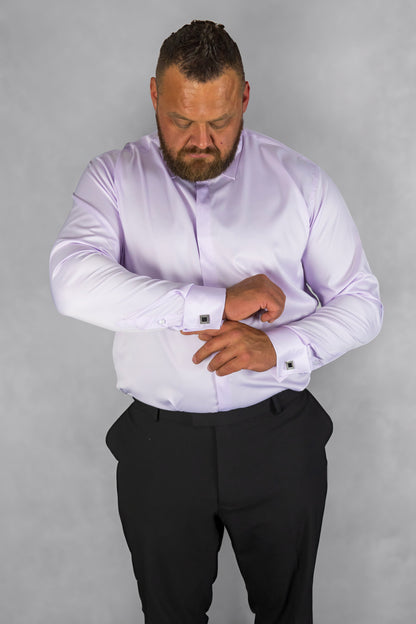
(167, 503)
(275, 543)
(272, 488)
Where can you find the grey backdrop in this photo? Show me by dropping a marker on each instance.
(333, 79)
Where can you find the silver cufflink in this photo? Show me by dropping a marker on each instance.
(290, 365)
(204, 319)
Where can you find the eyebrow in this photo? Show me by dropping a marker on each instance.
(222, 118)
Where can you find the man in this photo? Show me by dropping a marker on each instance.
(229, 268)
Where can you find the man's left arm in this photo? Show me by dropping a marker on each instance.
(336, 269)
(349, 313)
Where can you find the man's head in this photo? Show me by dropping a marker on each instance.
(199, 95)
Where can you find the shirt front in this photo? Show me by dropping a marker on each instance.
(147, 254)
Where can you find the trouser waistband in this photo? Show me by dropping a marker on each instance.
(276, 403)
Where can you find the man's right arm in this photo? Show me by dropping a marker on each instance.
(89, 282)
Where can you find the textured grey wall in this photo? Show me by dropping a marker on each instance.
(335, 80)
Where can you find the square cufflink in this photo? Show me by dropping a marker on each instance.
(204, 319)
(290, 365)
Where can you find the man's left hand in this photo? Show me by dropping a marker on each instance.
(237, 346)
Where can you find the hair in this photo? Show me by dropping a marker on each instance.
(202, 51)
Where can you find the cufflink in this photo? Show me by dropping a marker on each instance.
(290, 365)
(204, 319)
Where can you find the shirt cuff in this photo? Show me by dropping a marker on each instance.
(204, 308)
(292, 355)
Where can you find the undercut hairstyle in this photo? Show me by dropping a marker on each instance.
(202, 51)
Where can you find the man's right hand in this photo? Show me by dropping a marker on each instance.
(252, 295)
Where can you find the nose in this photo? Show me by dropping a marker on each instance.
(201, 137)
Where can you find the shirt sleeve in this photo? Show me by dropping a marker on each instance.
(90, 283)
(349, 313)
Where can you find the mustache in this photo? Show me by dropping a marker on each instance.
(195, 150)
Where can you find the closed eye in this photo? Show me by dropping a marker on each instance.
(219, 125)
(182, 124)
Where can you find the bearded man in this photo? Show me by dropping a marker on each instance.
(230, 268)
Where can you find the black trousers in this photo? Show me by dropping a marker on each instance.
(259, 472)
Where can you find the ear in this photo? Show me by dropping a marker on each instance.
(153, 92)
(246, 96)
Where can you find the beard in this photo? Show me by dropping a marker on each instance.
(198, 169)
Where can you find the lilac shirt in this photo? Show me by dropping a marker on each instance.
(146, 254)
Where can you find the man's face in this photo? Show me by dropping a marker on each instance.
(199, 123)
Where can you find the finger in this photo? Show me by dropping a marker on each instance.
(222, 358)
(211, 346)
(205, 332)
(232, 366)
(272, 311)
(270, 315)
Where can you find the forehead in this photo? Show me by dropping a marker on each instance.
(195, 100)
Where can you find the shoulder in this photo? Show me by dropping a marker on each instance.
(109, 173)
(109, 167)
(319, 191)
(278, 153)
(282, 163)
(111, 160)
